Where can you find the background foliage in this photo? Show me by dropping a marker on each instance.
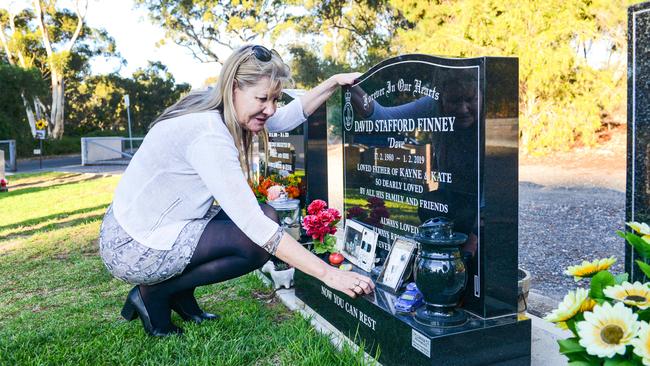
(572, 54)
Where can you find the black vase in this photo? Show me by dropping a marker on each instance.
(440, 273)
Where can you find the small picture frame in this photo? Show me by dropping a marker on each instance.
(352, 241)
(366, 252)
(397, 262)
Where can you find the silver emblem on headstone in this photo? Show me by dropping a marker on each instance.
(348, 114)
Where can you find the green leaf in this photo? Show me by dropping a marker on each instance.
(644, 315)
(600, 281)
(617, 361)
(620, 278)
(581, 363)
(319, 247)
(330, 242)
(570, 345)
(638, 243)
(571, 324)
(644, 267)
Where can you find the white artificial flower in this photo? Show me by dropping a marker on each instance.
(636, 294)
(642, 344)
(607, 330)
(640, 227)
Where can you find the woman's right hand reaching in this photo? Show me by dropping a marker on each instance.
(350, 283)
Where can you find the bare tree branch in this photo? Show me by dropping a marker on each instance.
(80, 22)
(12, 25)
(38, 6)
(3, 40)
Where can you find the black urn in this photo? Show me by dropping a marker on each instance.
(440, 273)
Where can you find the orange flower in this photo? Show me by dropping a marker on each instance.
(264, 185)
(293, 191)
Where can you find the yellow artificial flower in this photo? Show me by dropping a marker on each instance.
(607, 330)
(41, 124)
(569, 307)
(636, 294)
(641, 228)
(588, 269)
(642, 344)
(587, 305)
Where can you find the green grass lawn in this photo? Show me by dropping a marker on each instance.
(59, 305)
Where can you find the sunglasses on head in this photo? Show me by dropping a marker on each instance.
(261, 53)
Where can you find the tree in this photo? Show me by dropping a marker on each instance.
(57, 59)
(97, 103)
(203, 26)
(16, 50)
(57, 42)
(356, 33)
(563, 96)
(17, 83)
(153, 90)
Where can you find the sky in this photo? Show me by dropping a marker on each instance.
(135, 37)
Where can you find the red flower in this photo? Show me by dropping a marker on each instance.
(335, 213)
(316, 206)
(325, 217)
(321, 220)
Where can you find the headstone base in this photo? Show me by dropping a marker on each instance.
(372, 322)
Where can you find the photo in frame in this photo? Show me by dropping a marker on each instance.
(352, 241)
(366, 252)
(396, 267)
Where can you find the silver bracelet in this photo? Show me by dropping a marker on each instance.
(272, 245)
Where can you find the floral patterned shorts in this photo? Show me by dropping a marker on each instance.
(137, 264)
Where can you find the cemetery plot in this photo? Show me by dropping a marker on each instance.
(428, 137)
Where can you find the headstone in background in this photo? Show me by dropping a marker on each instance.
(304, 147)
(2, 164)
(638, 125)
(426, 137)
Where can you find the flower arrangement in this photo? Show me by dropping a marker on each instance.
(320, 224)
(271, 187)
(610, 319)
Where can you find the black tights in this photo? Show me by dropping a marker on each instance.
(223, 252)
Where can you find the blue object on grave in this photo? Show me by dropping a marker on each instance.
(410, 300)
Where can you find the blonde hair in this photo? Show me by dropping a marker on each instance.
(246, 70)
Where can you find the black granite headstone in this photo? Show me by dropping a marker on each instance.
(426, 137)
(638, 125)
(304, 147)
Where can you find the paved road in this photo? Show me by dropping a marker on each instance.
(65, 164)
(25, 166)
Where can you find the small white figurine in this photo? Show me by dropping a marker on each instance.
(280, 278)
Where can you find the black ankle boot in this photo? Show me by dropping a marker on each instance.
(134, 307)
(195, 317)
